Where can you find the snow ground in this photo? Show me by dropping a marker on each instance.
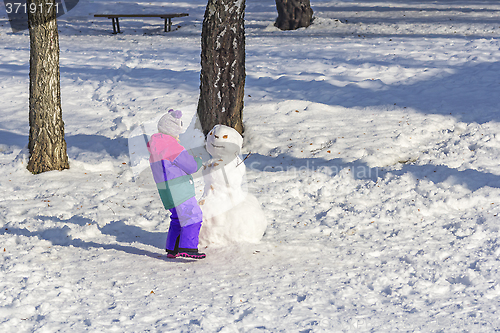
(375, 144)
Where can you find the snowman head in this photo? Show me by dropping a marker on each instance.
(224, 142)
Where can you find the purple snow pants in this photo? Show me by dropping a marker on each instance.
(185, 224)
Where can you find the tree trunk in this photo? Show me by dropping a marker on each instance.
(222, 78)
(293, 14)
(47, 146)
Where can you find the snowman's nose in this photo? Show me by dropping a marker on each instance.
(216, 136)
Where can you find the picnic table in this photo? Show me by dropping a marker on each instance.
(116, 23)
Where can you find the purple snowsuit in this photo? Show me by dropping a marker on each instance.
(172, 167)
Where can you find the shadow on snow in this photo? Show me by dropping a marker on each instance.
(437, 174)
(459, 94)
(122, 232)
(77, 143)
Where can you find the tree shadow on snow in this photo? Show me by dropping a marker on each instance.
(363, 14)
(294, 166)
(460, 94)
(16, 70)
(13, 139)
(444, 13)
(448, 177)
(121, 231)
(61, 237)
(437, 174)
(132, 76)
(97, 144)
(82, 143)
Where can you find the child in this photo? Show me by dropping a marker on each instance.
(172, 167)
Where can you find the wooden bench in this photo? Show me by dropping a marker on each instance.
(116, 23)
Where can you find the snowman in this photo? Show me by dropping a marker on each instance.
(230, 213)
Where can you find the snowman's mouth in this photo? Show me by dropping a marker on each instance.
(215, 146)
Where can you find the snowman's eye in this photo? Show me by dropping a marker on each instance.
(225, 136)
(212, 133)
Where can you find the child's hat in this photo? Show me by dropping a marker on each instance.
(171, 123)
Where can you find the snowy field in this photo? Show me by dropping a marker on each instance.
(375, 143)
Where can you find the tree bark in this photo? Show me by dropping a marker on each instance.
(222, 78)
(47, 146)
(293, 14)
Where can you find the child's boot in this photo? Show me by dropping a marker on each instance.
(191, 253)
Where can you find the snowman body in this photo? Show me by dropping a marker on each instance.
(230, 213)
